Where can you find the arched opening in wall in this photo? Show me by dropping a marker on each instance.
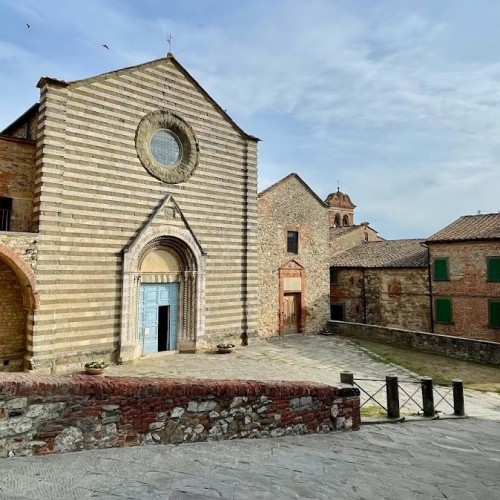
(17, 305)
(345, 220)
(166, 296)
(336, 220)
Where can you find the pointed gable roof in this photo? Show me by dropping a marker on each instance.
(166, 213)
(287, 179)
(171, 59)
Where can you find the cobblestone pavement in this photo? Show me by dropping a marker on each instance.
(314, 358)
(457, 459)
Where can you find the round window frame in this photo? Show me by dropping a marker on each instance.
(184, 168)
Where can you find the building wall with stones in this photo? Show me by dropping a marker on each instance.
(290, 205)
(94, 199)
(17, 171)
(397, 298)
(41, 414)
(467, 287)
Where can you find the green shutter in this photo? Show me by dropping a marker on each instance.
(441, 270)
(443, 311)
(494, 314)
(494, 269)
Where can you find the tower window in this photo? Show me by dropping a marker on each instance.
(345, 221)
(5, 213)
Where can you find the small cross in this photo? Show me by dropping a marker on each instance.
(169, 40)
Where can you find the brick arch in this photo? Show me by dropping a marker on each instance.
(24, 274)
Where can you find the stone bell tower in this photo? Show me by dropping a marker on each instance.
(340, 209)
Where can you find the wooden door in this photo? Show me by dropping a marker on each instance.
(291, 312)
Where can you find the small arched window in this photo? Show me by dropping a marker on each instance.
(336, 220)
(345, 220)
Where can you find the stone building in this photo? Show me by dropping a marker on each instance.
(293, 258)
(465, 285)
(128, 204)
(382, 283)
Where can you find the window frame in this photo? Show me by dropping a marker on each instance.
(338, 304)
(440, 321)
(492, 258)
(490, 303)
(289, 249)
(440, 259)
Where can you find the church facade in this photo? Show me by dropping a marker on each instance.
(128, 212)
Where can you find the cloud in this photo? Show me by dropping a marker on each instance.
(398, 100)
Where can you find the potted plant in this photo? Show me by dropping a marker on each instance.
(225, 348)
(96, 367)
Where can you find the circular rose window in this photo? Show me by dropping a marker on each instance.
(167, 147)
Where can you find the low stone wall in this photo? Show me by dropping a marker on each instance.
(42, 414)
(480, 351)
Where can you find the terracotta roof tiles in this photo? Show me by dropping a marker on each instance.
(384, 254)
(470, 227)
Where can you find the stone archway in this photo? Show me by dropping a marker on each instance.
(140, 270)
(18, 302)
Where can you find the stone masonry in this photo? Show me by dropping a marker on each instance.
(290, 205)
(49, 414)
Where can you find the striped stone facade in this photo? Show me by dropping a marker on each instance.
(96, 211)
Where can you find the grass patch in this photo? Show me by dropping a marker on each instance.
(373, 411)
(442, 369)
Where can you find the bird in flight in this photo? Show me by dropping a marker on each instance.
(105, 46)
(28, 25)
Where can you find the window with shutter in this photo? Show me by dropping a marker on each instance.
(441, 270)
(494, 269)
(442, 311)
(494, 313)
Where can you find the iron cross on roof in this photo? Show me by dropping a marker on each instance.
(169, 40)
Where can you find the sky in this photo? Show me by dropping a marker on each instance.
(398, 101)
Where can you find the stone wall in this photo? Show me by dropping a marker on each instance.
(23, 245)
(397, 298)
(289, 205)
(49, 414)
(349, 291)
(468, 288)
(480, 351)
(17, 170)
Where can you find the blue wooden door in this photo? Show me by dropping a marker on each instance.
(154, 295)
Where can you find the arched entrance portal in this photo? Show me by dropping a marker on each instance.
(17, 307)
(162, 296)
(163, 275)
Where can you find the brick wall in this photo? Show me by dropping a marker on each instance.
(12, 321)
(480, 351)
(290, 206)
(49, 414)
(468, 288)
(17, 169)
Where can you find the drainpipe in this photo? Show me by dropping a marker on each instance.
(429, 274)
(364, 295)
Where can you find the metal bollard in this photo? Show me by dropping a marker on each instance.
(392, 390)
(347, 378)
(428, 397)
(458, 397)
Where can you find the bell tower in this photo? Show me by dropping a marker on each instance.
(340, 209)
